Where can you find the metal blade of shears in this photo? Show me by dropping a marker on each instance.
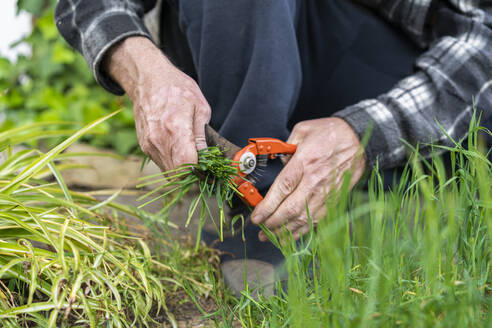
(213, 138)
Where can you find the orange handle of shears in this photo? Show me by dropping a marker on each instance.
(259, 146)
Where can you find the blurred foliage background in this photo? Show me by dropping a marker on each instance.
(54, 83)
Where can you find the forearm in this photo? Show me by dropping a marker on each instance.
(132, 60)
(93, 27)
(169, 109)
(435, 102)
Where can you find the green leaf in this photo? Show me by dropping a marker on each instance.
(46, 25)
(34, 7)
(14, 98)
(125, 140)
(62, 55)
(44, 160)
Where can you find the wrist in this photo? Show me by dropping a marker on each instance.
(354, 138)
(128, 61)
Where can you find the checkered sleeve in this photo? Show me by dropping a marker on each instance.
(93, 26)
(455, 71)
(409, 15)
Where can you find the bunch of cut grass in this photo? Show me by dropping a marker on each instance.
(418, 254)
(213, 174)
(62, 261)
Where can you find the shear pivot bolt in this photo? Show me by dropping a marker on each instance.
(247, 162)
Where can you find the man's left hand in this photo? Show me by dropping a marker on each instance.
(327, 148)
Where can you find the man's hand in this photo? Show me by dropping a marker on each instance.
(170, 110)
(326, 149)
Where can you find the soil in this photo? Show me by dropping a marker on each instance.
(186, 313)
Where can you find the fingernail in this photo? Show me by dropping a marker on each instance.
(262, 237)
(257, 219)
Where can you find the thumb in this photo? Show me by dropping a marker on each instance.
(295, 138)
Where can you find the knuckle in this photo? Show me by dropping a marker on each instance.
(300, 128)
(205, 111)
(295, 225)
(172, 124)
(265, 209)
(297, 168)
(182, 154)
(155, 139)
(299, 223)
(286, 185)
(302, 220)
(200, 139)
(189, 87)
(291, 209)
(317, 180)
(189, 82)
(145, 146)
(290, 178)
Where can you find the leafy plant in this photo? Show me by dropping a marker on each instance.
(63, 260)
(53, 83)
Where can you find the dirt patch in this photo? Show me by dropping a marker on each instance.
(186, 312)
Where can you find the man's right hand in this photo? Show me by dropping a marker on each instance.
(170, 110)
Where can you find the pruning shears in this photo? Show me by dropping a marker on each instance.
(249, 160)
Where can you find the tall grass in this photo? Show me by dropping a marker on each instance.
(418, 255)
(63, 260)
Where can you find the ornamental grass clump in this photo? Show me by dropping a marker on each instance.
(63, 260)
(214, 176)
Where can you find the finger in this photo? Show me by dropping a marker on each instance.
(295, 138)
(156, 157)
(291, 208)
(201, 117)
(292, 225)
(174, 137)
(285, 184)
(183, 149)
(147, 147)
(285, 159)
(301, 231)
(298, 226)
(298, 133)
(293, 212)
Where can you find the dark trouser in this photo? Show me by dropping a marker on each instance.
(265, 65)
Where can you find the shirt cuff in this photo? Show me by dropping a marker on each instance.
(98, 40)
(361, 121)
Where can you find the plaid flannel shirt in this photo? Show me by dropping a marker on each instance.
(454, 69)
